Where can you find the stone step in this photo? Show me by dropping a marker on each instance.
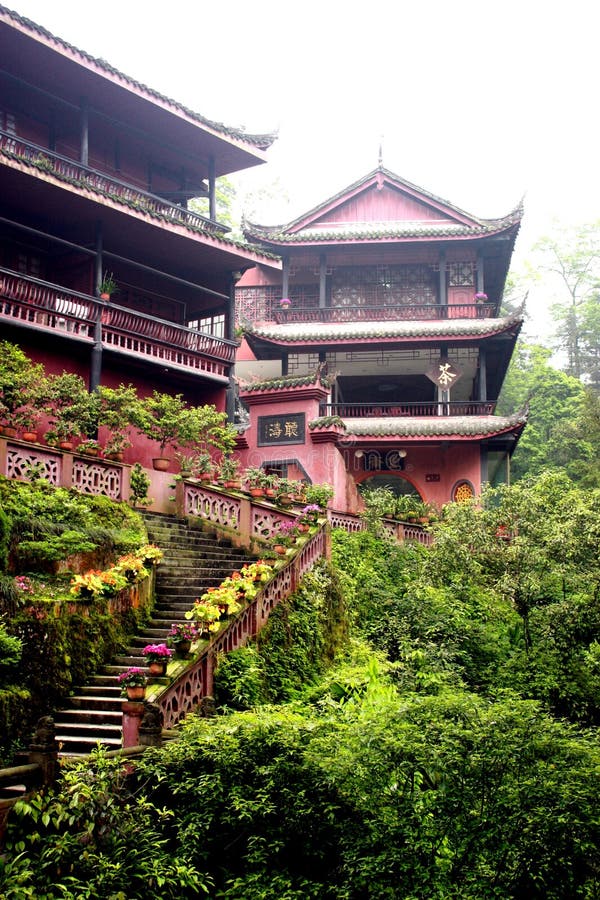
(94, 730)
(102, 718)
(106, 701)
(194, 560)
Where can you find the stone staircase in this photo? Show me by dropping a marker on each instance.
(194, 560)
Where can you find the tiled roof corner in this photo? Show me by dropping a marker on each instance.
(259, 141)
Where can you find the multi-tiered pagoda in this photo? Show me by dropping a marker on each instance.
(377, 354)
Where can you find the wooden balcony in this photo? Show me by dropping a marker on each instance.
(112, 188)
(392, 410)
(31, 303)
(418, 312)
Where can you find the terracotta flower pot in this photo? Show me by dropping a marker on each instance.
(115, 457)
(157, 668)
(182, 648)
(9, 431)
(161, 463)
(280, 549)
(65, 445)
(136, 691)
(256, 492)
(30, 436)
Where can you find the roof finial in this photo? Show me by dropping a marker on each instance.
(380, 160)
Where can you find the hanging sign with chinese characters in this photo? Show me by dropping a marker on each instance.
(282, 429)
(444, 373)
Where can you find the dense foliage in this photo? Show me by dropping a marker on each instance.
(46, 534)
(449, 752)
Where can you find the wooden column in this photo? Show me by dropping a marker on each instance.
(212, 190)
(322, 281)
(285, 276)
(442, 283)
(96, 359)
(482, 374)
(480, 287)
(84, 136)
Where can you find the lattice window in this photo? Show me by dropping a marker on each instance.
(409, 285)
(256, 304)
(305, 296)
(460, 274)
(463, 492)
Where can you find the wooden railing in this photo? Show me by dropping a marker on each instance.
(380, 313)
(87, 178)
(38, 304)
(399, 531)
(185, 694)
(369, 410)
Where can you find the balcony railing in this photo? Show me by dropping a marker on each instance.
(38, 304)
(417, 312)
(87, 178)
(392, 410)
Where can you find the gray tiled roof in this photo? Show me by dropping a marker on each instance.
(453, 221)
(459, 426)
(260, 142)
(337, 331)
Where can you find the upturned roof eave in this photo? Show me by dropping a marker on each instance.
(450, 211)
(510, 326)
(253, 145)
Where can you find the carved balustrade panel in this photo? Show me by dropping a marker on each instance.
(345, 521)
(218, 508)
(97, 478)
(265, 521)
(273, 593)
(22, 462)
(184, 695)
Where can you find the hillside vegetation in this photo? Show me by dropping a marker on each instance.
(415, 724)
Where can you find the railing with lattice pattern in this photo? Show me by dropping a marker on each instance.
(48, 307)
(381, 313)
(78, 175)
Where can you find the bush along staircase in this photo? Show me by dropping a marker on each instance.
(193, 561)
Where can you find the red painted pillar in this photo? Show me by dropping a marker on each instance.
(133, 710)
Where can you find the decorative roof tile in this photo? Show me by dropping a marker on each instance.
(447, 220)
(260, 141)
(452, 426)
(340, 331)
(283, 383)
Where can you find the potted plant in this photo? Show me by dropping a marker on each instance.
(308, 516)
(285, 303)
(118, 408)
(229, 472)
(182, 636)
(270, 483)
(157, 656)
(206, 613)
(320, 494)
(89, 447)
(22, 389)
(139, 482)
(161, 417)
(72, 410)
(254, 478)
(284, 536)
(108, 286)
(133, 683)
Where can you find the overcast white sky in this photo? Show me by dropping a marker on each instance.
(478, 102)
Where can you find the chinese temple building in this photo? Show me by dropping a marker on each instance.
(377, 353)
(96, 171)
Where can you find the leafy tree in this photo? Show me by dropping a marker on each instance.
(552, 438)
(571, 257)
